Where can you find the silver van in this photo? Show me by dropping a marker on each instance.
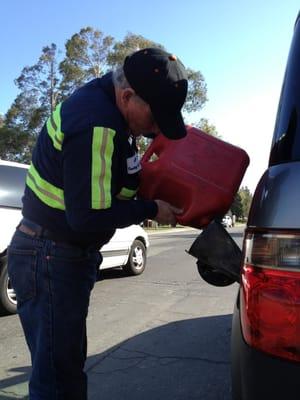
(265, 339)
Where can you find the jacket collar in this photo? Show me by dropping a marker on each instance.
(109, 88)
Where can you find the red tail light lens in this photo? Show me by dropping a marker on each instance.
(270, 298)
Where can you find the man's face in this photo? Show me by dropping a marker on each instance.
(138, 115)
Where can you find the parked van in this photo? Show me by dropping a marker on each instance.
(265, 339)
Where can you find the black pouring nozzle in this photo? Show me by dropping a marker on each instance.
(218, 256)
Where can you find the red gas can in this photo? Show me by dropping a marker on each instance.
(199, 174)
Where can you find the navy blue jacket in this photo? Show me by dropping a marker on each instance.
(84, 170)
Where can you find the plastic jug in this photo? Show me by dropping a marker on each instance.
(199, 174)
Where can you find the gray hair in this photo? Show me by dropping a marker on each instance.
(120, 82)
(119, 79)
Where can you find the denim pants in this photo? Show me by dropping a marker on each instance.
(53, 282)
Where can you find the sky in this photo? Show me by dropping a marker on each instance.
(240, 47)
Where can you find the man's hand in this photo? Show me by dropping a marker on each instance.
(166, 213)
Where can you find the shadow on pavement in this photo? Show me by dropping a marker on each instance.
(113, 273)
(181, 360)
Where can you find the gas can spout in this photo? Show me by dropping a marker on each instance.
(218, 256)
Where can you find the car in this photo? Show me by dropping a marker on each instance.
(227, 221)
(126, 249)
(265, 337)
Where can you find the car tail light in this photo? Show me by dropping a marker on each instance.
(270, 297)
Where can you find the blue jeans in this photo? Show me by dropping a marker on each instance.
(53, 282)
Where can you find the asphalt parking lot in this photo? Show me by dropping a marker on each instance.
(162, 335)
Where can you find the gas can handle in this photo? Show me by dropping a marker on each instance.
(156, 147)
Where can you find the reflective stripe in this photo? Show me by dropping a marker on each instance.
(45, 191)
(126, 194)
(102, 152)
(54, 128)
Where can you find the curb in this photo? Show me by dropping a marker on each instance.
(170, 230)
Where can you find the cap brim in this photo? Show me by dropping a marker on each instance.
(171, 125)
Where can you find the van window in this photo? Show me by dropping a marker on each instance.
(12, 184)
(286, 139)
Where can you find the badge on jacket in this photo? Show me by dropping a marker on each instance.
(133, 164)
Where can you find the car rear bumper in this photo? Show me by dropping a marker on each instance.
(258, 376)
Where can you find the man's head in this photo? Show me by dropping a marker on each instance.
(156, 92)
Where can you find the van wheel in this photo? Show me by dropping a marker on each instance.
(8, 302)
(137, 259)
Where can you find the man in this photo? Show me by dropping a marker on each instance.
(80, 187)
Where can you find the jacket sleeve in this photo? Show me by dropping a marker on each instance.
(91, 204)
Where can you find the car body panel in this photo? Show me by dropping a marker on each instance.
(277, 194)
(11, 189)
(116, 252)
(10, 218)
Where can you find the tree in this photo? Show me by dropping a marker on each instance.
(86, 58)
(38, 95)
(88, 55)
(25, 114)
(130, 44)
(237, 206)
(15, 145)
(196, 96)
(246, 198)
(208, 128)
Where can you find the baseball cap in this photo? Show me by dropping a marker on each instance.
(160, 79)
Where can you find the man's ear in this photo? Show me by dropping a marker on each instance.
(126, 95)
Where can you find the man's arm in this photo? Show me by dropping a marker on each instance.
(88, 179)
